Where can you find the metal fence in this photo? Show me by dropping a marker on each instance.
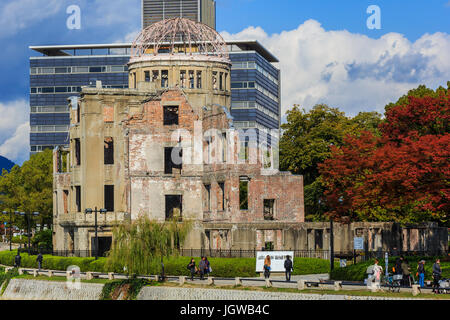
(232, 253)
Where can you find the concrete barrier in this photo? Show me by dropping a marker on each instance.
(415, 290)
(337, 285)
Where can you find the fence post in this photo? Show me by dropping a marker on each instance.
(301, 284)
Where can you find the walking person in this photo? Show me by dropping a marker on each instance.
(267, 267)
(17, 260)
(192, 268)
(39, 260)
(437, 272)
(406, 270)
(288, 266)
(398, 265)
(208, 268)
(421, 273)
(377, 271)
(202, 268)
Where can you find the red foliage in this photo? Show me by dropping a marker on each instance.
(407, 167)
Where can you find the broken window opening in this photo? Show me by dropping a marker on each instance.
(268, 246)
(199, 79)
(170, 115)
(183, 79)
(318, 239)
(77, 152)
(224, 147)
(66, 201)
(269, 205)
(173, 160)
(243, 151)
(109, 198)
(174, 207)
(207, 197)
(191, 80)
(109, 150)
(78, 198)
(147, 76)
(164, 78)
(243, 193)
(214, 80)
(155, 75)
(222, 190)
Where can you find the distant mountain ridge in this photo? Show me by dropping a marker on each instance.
(5, 164)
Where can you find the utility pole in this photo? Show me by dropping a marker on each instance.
(331, 245)
(89, 211)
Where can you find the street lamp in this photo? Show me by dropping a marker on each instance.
(89, 211)
(28, 217)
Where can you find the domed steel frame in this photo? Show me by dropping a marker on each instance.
(179, 32)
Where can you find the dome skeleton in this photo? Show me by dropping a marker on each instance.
(174, 31)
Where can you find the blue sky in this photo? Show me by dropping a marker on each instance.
(327, 54)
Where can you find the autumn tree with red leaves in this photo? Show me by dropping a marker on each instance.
(404, 174)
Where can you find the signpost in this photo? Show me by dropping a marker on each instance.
(358, 244)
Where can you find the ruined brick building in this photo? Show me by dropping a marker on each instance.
(166, 147)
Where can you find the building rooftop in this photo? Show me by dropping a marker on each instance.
(125, 49)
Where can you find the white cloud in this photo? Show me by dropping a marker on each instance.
(14, 130)
(16, 148)
(351, 71)
(20, 14)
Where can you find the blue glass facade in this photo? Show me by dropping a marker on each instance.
(54, 78)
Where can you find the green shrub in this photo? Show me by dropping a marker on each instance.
(357, 272)
(222, 267)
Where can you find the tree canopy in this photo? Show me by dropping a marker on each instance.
(401, 175)
(29, 188)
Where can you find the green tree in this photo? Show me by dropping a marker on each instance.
(306, 140)
(29, 188)
(141, 244)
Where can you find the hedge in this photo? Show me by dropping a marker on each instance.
(222, 267)
(357, 272)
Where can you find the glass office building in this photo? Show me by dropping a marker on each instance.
(198, 10)
(59, 72)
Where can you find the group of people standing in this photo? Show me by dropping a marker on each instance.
(402, 268)
(204, 268)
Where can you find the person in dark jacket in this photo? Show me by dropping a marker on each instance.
(202, 268)
(191, 266)
(437, 272)
(39, 260)
(421, 273)
(17, 260)
(207, 266)
(398, 265)
(288, 266)
(406, 273)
